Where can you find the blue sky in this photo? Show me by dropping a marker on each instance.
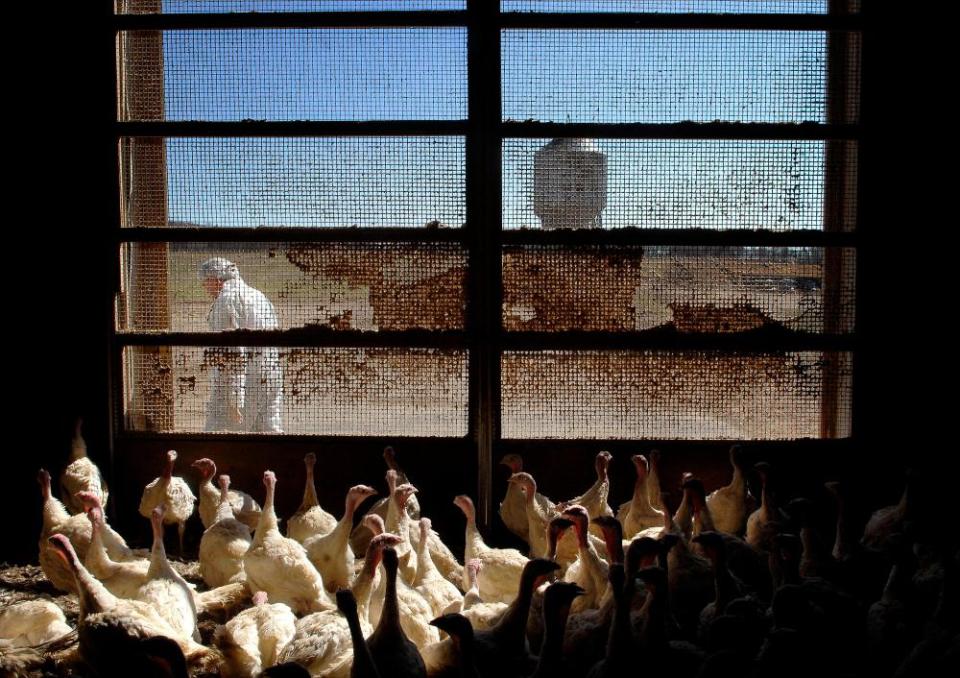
(420, 73)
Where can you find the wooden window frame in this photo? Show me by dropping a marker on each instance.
(483, 236)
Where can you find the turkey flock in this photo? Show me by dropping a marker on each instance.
(674, 584)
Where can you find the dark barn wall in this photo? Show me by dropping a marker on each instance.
(60, 357)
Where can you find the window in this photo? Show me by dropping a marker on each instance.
(544, 220)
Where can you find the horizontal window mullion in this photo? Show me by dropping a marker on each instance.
(509, 20)
(760, 341)
(297, 337)
(254, 20)
(680, 237)
(294, 438)
(291, 234)
(294, 128)
(640, 21)
(807, 131)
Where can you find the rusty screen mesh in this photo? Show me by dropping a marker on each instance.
(659, 395)
(683, 289)
(672, 183)
(665, 76)
(325, 391)
(294, 74)
(340, 182)
(358, 286)
(223, 6)
(670, 6)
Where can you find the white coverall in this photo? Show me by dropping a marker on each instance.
(244, 380)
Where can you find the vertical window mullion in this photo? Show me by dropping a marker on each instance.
(483, 148)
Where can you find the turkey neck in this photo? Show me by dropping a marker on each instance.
(551, 653)
(390, 617)
(309, 491)
(268, 518)
(723, 584)
(511, 629)
(843, 543)
(363, 585)
(363, 666)
(425, 566)
(701, 512)
(641, 499)
(654, 632)
(97, 555)
(619, 641)
(54, 512)
(224, 510)
(94, 596)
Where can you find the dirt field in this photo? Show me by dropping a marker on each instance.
(393, 392)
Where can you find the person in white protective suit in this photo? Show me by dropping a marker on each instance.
(246, 383)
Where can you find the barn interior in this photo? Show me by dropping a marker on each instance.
(873, 418)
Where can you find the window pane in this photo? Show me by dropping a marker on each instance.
(356, 286)
(674, 184)
(669, 6)
(664, 76)
(661, 395)
(355, 182)
(225, 6)
(678, 289)
(325, 391)
(295, 74)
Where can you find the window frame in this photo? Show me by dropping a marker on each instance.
(483, 236)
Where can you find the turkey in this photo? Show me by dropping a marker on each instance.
(501, 568)
(761, 524)
(122, 579)
(638, 513)
(57, 520)
(254, 639)
(81, 475)
(115, 544)
(513, 509)
(429, 583)
(361, 535)
(537, 518)
(310, 520)
(112, 630)
(31, 622)
(393, 653)
(245, 509)
(331, 553)
(322, 640)
(481, 615)
(589, 571)
(730, 505)
(175, 495)
(280, 566)
(224, 544)
(165, 589)
(594, 500)
(363, 665)
(556, 608)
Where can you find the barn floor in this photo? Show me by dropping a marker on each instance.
(60, 658)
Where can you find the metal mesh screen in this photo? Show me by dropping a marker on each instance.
(342, 182)
(223, 6)
(358, 286)
(669, 6)
(674, 184)
(297, 74)
(623, 395)
(325, 391)
(665, 76)
(684, 289)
